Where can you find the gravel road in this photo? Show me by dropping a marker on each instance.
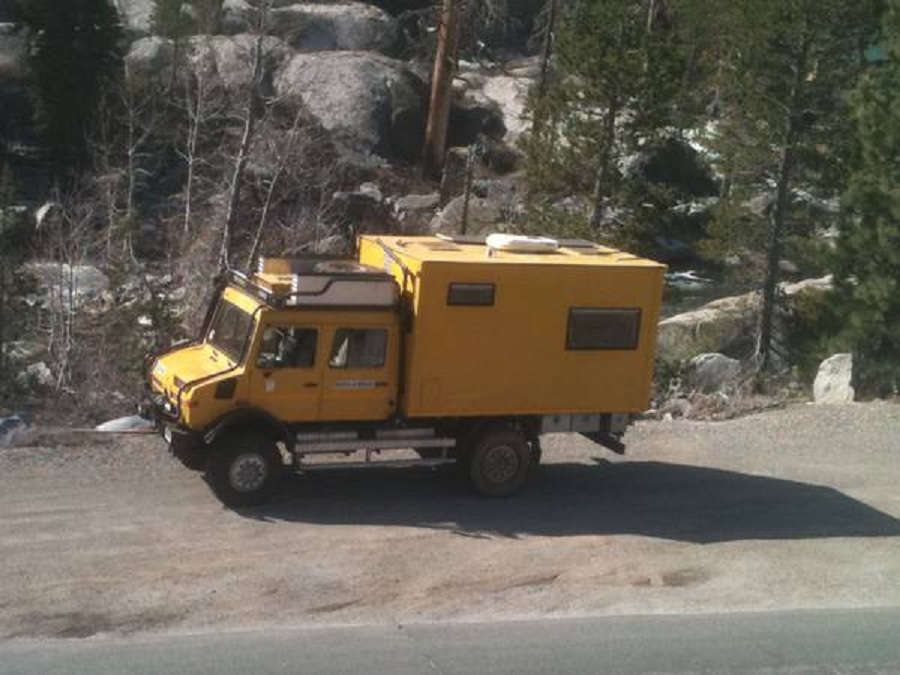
(795, 509)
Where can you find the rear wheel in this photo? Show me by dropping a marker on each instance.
(245, 469)
(499, 463)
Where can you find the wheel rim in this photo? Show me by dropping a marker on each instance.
(248, 472)
(501, 464)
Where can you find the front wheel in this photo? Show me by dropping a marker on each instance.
(244, 469)
(499, 463)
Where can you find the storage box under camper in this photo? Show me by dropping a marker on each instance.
(492, 332)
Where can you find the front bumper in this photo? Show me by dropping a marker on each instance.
(164, 415)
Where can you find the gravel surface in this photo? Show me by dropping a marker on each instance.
(792, 509)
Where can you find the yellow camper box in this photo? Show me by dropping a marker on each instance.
(496, 332)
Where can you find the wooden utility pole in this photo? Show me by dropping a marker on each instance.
(441, 89)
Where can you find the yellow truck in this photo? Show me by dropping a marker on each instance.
(422, 350)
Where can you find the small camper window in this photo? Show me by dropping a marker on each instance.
(596, 329)
(473, 295)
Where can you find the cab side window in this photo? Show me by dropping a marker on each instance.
(287, 347)
(360, 349)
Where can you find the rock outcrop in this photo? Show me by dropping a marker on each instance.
(721, 326)
(369, 103)
(711, 373)
(137, 15)
(483, 214)
(221, 60)
(352, 26)
(59, 284)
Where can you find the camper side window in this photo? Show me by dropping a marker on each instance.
(472, 295)
(597, 329)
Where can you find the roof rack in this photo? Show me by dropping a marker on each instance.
(287, 283)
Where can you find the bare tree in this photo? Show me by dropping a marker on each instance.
(284, 153)
(204, 104)
(252, 113)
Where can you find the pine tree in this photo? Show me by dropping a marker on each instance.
(789, 68)
(74, 54)
(618, 75)
(869, 243)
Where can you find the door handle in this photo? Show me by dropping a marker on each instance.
(310, 385)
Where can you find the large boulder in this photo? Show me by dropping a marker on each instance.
(230, 58)
(505, 96)
(711, 373)
(59, 284)
(35, 377)
(715, 327)
(368, 102)
(222, 60)
(833, 383)
(137, 15)
(352, 26)
(673, 163)
(726, 325)
(414, 212)
(481, 218)
(150, 56)
(472, 121)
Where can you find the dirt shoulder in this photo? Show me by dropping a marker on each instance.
(792, 509)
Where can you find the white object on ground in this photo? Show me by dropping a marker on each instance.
(132, 424)
(833, 382)
(9, 428)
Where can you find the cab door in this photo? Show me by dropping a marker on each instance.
(360, 372)
(287, 374)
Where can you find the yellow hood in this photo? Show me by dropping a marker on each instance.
(173, 370)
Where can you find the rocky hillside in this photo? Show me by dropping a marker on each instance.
(210, 131)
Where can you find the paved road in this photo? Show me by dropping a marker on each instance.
(848, 642)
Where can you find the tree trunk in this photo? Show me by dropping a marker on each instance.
(606, 152)
(195, 117)
(441, 90)
(543, 83)
(237, 178)
(776, 232)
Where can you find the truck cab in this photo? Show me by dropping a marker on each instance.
(285, 354)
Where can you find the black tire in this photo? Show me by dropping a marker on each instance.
(244, 469)
(499, 463)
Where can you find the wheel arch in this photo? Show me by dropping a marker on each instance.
(250, 418)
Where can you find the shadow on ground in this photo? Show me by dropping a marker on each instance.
(653, 499)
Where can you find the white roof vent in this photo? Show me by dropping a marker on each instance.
(515, 243)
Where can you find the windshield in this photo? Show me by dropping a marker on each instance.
(229, 330)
